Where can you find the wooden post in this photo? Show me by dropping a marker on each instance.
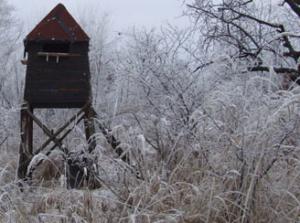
(25, 150)
(90, 127)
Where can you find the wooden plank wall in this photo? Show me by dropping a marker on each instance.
(65, 84)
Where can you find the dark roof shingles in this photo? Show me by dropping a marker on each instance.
(58, 25)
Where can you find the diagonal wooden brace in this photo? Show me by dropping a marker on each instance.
(61, 129)
(48, 132)
(65, 135)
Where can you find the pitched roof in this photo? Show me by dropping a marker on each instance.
(58, 25)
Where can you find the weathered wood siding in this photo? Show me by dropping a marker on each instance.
(65, 84)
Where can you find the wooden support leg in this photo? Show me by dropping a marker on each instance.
(25, 152)
(90, 127)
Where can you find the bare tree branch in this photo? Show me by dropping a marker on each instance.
(294, 5)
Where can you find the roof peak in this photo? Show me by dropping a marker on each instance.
(58, 25)
(59, 6)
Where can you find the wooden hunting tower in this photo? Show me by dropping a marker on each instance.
(58, 71)
(57, 76)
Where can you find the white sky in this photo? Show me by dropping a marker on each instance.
(123, 14)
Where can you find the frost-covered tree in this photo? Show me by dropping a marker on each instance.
(262, 35)
(10, 77)
(8, 39)
(158, 91)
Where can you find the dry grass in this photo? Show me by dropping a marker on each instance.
(190, 192)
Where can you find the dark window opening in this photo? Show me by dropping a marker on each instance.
(56, 48)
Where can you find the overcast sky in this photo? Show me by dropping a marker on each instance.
(122, 13)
